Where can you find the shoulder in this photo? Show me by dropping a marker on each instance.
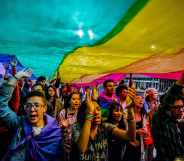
(108, 127)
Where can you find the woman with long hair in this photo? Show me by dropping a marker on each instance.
(54, 101)
(90, 133)
(66, 118)
(117, 146)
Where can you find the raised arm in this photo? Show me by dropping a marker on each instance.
(6, 114)
(9, 117)
(129, 134)
(86, 128)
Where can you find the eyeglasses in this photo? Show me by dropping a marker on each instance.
(178, 107)
(36, 106)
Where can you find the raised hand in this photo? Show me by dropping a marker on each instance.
(13, 62)
(142, 131)
(63, 122)
(89, 102)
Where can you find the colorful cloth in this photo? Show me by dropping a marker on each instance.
(44, 147)
(104, 102)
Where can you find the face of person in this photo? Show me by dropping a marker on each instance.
(51, 92)
(97, 114)
(75, 101)
(109, 89)
(177, 109)
(35, 108)
(64, 89)
(116, 114)
(153, 94)
(123, 93)
(138, 102)
(43, 82)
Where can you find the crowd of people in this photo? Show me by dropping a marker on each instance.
(44, 121)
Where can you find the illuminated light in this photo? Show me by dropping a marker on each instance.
(80, 33)
(153, 47)
(91, 34)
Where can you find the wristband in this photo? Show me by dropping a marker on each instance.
(89, 113)
(89, 116)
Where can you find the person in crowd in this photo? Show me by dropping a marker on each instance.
(52, 98)
(38, 87)
(65, 92)
(142, 132)
(151, 101)
(25, 89)
(90, 134)
(42, 80)
(122, 94)
(107, 97)
(36, 136)
(66, 118)
(168, 138)
(27, 85)
(14, 104)
(124, 100)
(117, 147)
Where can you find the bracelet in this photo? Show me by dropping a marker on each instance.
(131, 120)
(89, 113)
(84, 113)
(90, 120)
(89, 116)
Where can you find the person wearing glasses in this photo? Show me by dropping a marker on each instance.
(168, 138)
(36, 136)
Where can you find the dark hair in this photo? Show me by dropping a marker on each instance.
(47, 91)
(41, 78)
(37, 84)
(162, 98)
(168, 100)
(68, 99)
(107, 81)
(114, 105)
(36, 93)
(120, 88)
(122, 82)
(53, 103)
